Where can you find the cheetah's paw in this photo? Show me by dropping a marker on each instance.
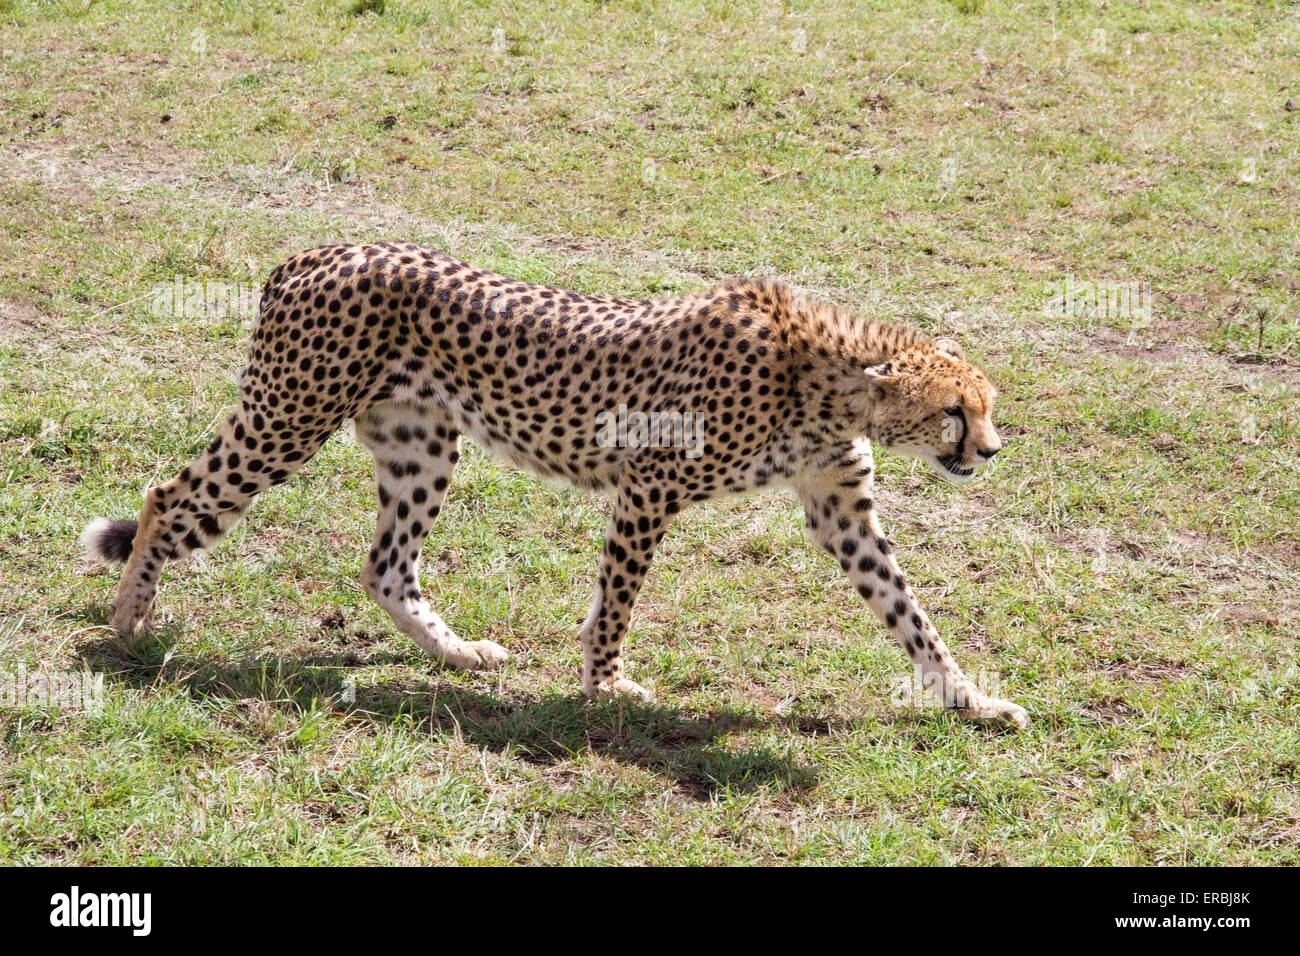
(620, 687)
(131, 621)
(476, 655)
(991, 710)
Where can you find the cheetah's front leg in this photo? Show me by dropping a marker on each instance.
(641, 516)
(840, 514)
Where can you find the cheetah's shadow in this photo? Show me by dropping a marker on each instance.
(687, 749)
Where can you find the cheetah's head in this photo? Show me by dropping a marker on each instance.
(930, 403)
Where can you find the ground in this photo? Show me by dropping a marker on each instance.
(1128, 570)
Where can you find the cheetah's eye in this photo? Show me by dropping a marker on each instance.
(954, 411)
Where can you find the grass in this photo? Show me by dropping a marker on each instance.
(1128, 571)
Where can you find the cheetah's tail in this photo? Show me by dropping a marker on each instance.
(108, 540)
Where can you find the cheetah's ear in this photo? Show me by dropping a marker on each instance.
(879, 378)
(951, 348)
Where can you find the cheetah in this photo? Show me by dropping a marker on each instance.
(419, 349)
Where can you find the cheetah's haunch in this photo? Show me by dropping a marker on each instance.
(419, 348)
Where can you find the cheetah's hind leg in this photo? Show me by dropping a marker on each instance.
(416, 449)
(196, 508)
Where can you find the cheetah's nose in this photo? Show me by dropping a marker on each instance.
(989, 452)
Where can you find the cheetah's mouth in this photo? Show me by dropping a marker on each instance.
(951, 468)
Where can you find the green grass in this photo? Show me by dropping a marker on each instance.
(1128, 571)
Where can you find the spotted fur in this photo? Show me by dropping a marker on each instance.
(420, 348)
